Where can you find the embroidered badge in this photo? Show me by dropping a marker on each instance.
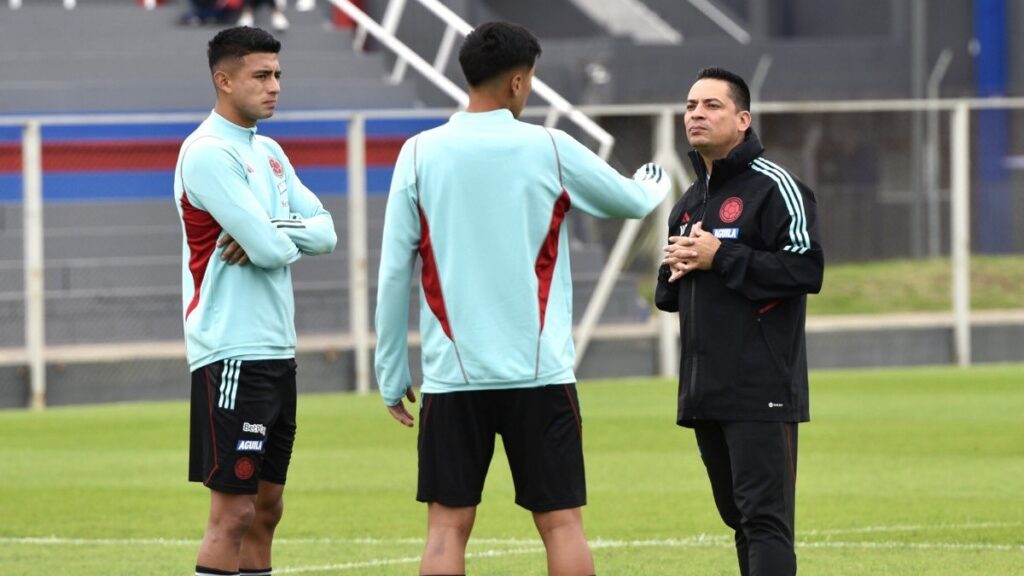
(244, 468)
(276, 167)
(731, 210)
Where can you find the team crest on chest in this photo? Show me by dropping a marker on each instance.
(276, 167)
(731, 210)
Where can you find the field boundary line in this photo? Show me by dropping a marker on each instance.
(406, 560)
(694, 542)
(523, 542)
(910, 528)
(699, 541)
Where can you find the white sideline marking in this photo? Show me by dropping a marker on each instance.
(530, 546)
(350, 565)
(57, 540)
(694, 542)
(914, 545)
(523, 542)
(911, 528)
(407, 560)
(699, 538)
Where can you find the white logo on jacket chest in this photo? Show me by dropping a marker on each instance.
(732, 233)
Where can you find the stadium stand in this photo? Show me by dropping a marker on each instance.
(112, 56)
(112, 241)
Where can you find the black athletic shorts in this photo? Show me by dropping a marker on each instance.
(541, 430)
(243, 424)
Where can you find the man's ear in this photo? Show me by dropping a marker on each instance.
(516, 83)
(222, 81)
(745, 120)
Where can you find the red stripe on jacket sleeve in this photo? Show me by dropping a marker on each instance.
(548, 255)
(201, 232)
(431, 278)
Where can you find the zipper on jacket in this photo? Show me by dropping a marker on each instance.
(692, 392)
(692, 388)
(764, 336)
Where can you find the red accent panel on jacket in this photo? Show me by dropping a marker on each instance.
(431, 278)
(201, 232)
(545, 266)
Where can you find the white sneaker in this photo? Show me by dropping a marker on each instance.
(246, 19)
(278, 21)
(305, 5)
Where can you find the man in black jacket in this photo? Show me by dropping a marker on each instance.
(743, 254)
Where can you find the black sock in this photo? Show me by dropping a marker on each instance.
(204, 571)
(256, 572)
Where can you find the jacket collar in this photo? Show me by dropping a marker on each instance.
(229, 130)
(737, 161)
(498, 117)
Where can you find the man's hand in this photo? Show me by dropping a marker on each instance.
(398, 411)
(685, 254)
(233, 253)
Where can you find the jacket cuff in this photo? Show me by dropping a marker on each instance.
(726, 256)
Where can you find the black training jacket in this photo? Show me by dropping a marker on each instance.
(744, 356)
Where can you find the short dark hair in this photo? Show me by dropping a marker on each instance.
(239, 42)
(738, 90)
(494, 48)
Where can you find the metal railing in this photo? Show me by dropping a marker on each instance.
(559, 107)
(36, 353)
(434, 72)
(72, 4)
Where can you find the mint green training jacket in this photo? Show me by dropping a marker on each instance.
(231, 181)
(482, 200)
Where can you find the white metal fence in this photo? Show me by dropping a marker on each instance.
(635, 125)
(72, 4)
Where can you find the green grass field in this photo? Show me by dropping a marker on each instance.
(917, 286)
(901, 472)
(921, 285)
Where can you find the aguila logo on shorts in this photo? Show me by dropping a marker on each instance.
(244, 468)
(276, 167)
(731, 210)
(249, 446)
(257, 428)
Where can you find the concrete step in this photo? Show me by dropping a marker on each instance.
(157, 65)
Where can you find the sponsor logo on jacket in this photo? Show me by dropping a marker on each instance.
(257, 428)
(249, 446)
